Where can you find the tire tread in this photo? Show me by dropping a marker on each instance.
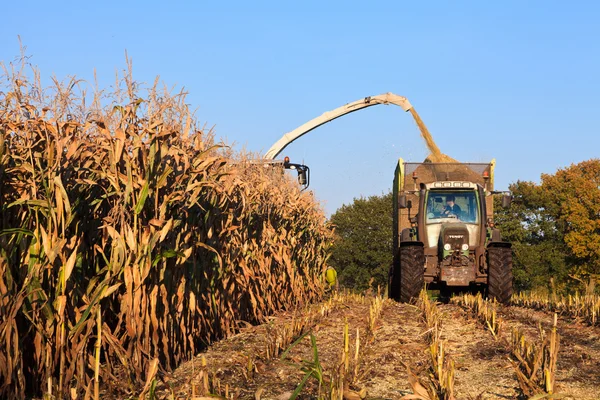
(412, 263)
(500, 278)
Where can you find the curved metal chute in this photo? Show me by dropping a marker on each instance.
(387, 98)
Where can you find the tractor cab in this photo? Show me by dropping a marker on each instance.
(450, 209)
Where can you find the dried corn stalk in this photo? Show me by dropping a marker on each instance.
(129, 235)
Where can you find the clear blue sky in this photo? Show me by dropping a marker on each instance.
(513, 80)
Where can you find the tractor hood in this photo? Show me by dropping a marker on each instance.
(454, 233)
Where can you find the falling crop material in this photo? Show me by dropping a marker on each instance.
(130, 238)
(435, 156)
(439, 166)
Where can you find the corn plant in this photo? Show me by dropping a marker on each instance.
(312, 369)
(129, 235)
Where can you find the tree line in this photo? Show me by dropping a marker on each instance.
(553, 225)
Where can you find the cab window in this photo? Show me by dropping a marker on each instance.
(460, 205)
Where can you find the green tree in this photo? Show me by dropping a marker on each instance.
(363, 246)
(539, 249)
(555, 226)
(574, 203)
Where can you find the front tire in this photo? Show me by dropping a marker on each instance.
(412, 272)
(500, 278)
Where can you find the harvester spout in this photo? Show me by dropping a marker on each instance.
(386, 98)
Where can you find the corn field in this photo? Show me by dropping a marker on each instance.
(130, 239)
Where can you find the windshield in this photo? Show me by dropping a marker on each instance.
(457, 205)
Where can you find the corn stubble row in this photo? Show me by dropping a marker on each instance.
(534, 361)
(281, 336)
(484, 309)
(342, 380)
(347, 375)
(585, 307)
(129, 240)
(441, 366)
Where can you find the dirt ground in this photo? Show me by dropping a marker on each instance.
(238, 367)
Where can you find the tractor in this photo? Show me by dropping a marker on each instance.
(444, 233)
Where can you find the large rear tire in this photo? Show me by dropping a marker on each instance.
(500, 278)
(412, 271)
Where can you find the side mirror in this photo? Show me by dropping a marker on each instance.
(506, 201)
(302, 179)
(402, 201)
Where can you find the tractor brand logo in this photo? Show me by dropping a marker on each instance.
(455, 236)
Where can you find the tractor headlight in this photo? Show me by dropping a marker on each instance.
(465, 247)
(447, 247)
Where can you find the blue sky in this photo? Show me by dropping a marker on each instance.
(513, 80)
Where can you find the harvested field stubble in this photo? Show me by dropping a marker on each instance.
(485, 310)
(129, 239)
(376, 362)
(441, 370)
(336, 373)
(585, 307)
(534, 362)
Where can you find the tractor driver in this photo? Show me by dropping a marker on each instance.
(451, 207)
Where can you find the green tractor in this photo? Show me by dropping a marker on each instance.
(444, 234)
